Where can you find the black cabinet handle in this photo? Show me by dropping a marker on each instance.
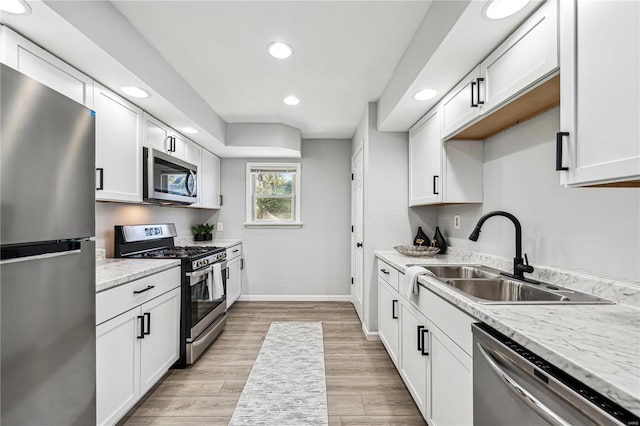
(473, 103)
(173, 144)
(358, 244)
(423, 333)
(559, 137)
(101, 180)
(435, 185)
(221, 200)
(384, 271)
(479, 80)
(394, 314)
(241, 263)
(420, 327)
(148, 315)
(143, 290)
(237, 250)
(141, 335)
(226, 273)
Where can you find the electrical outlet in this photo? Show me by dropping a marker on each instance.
(456, 221)
(220, 227)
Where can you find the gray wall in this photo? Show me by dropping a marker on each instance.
(110, 214)
(312, 260)
(593, 230)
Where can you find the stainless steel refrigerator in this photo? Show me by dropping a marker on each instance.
(47, 264)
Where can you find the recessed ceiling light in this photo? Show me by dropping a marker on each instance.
(190, 130)
(17, 7)
(498, 9)
(425, 95)
(291, 100)
(135, 92)
(280, 50)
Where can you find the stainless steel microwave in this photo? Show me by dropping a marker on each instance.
(168, 180)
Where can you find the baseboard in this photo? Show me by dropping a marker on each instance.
(295, 298)
(370, 335)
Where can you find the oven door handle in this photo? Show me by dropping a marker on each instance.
(527, 397)
(200, 273)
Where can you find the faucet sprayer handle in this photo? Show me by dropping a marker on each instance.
(526, 267)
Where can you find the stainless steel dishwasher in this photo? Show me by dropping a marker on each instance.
(514, 387)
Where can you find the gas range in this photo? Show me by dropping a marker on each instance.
(204, 273)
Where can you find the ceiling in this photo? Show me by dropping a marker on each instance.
(206, 63)
(345, 53)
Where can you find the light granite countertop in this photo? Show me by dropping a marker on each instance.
(599, 345)
(114, 272)
(188, 241)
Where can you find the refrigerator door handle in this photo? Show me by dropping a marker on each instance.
(40, 256)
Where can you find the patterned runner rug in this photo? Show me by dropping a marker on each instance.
(287, 384)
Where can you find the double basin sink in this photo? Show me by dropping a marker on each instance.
(489, 286)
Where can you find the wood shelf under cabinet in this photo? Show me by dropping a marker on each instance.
(538, 100)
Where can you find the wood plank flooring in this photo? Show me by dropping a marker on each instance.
(363, 386)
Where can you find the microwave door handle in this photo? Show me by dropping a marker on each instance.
(192, 176)
(527, 397)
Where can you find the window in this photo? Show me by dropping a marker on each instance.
(273, 194)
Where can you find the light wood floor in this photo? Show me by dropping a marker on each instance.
(363, 386)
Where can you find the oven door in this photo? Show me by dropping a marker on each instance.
(208, 301)
(168, 179)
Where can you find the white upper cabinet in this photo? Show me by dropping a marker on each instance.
(600, 60)
(442, 172)
(461, 106)
(30, 59)
(118, 148)
(209, 173)
(526, 56)
(156, 134)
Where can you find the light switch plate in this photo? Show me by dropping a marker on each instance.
(220, 226)
(456, 221)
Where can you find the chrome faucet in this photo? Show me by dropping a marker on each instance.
(520, 266)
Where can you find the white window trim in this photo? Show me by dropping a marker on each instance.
(296, 222)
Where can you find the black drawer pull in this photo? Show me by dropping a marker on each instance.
(394, 315)
(148, 315)
(559, 137)
(420, 327)
(235, 251)
(384, 271)
(479, 80)
(146, 289)
(473, 103)
(435, 185)
(101, 184)
(423, 333)
(141, 335)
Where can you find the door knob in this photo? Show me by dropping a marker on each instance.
(359, 245)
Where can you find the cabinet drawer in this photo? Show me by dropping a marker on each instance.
(388, 273)
(451, 320)
(113, 302)
(234, 251)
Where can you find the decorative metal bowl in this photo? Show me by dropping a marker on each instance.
(417, 251)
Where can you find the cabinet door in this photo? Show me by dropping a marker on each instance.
(210, 181)
(118, 147)
(234, 282)
(527, 56)
(117, 361)
(155, 134)
(450, 392)
(32, 60)
(457, 109)
(181, 147)
(414, 354)
(425, 162)
(388, 319)
(160, 347)
(599, 86)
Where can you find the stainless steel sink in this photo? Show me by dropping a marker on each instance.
(486, 285)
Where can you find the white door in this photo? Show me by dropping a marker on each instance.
(357, 234)
(180, 148)
(414, 353)
(599, 87)
(388, 319)
(159, 348)
(118, 148)
(234, 282)
(117, 361)
(461, 106)
(156, 134)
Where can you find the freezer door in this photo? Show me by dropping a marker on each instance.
(47, 156)
(48, 343)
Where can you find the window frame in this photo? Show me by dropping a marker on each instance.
(296, 222)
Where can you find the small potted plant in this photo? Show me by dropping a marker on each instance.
(202, 232)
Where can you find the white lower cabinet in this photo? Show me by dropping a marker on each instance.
(234, 280)
(450, 399)
(435, 365)
(414, 353)
(388, 320)
(134, 350)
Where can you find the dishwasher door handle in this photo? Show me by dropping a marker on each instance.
(527, 397)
